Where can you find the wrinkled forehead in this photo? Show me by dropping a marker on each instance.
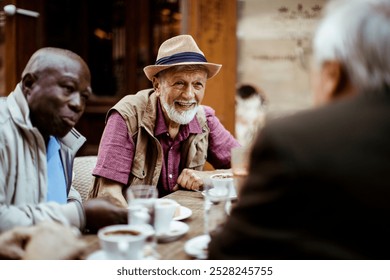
(184, 69)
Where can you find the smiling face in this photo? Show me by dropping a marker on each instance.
(180, 93)
(56, 89)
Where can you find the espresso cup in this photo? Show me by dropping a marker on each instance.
(223, 180)
(164, 211)
(122, 242)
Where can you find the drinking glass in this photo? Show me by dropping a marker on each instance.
(215, 198)
(141, 200)
(239, 164)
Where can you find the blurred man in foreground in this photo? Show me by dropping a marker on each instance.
(318, 184)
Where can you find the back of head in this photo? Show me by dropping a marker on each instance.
(246, 91)
(50, 57)
(357, 34)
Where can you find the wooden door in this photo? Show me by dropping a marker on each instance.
(22, 36)
(213, 25)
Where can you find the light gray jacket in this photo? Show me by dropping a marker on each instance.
(23, 170)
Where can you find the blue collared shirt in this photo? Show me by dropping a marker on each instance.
(56, 183)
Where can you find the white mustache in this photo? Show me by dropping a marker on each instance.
(180, 117)
(185, 102)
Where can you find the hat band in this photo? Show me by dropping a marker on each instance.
(181, 57)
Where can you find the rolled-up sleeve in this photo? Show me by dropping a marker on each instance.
(116, 151)
(221, 141)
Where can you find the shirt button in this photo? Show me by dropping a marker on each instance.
(170, 176)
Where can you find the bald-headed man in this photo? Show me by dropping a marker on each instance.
(38, 143)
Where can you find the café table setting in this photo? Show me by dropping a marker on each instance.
(176, 226)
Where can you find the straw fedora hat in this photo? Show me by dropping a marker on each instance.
(180, 50)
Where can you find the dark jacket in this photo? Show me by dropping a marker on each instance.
(318, 188)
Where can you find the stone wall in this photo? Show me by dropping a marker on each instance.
(274, 50)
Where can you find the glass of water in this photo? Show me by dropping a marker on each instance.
(215, 198)
(141, 200)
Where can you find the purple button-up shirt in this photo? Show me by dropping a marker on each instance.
(117, 149)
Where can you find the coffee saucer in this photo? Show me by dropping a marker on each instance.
(97, 255)
(177, 229)
(101, 255)
(197, 247)
(184, 213)
(232, 195)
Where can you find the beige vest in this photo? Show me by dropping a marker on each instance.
(140, 112)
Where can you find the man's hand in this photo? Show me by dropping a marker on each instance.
(101, 212)
(54, 241)
(192, 179)
(12, 242)
(45, 241)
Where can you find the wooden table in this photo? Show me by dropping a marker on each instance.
(193, 200)
(173, 250)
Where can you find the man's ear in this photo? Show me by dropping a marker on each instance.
(335, 82)
(27, 82)
(156, 85)
(331, 78)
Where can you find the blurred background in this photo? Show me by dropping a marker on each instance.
(263, 43)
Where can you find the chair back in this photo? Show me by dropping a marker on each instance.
(83, 178)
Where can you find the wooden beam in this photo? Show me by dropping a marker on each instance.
(213, 23)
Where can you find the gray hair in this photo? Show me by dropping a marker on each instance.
(357, 34)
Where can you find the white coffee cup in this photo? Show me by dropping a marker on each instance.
(222, 180)
(122, 242)
(164, 211)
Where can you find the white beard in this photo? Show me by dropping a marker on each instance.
(179, 117)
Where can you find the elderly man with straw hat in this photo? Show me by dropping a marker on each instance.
(163, 136)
